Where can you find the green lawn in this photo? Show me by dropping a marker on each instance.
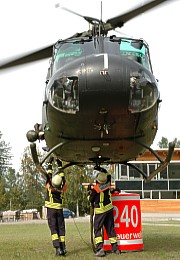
(33, 241)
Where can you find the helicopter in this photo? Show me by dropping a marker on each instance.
(101, 99)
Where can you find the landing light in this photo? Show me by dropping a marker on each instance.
(95, 148)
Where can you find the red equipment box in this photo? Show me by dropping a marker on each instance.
(127, 219)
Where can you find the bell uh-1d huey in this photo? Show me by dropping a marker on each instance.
(101, 98)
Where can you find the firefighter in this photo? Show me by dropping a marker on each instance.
(55, 187)
(100, 198)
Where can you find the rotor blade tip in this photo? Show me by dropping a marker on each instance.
(57, 5)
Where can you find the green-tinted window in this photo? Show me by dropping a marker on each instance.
(69, 51)
(135, 50)
(66, 53)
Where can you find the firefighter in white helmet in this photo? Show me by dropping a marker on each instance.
(100, 197)
(55, 186)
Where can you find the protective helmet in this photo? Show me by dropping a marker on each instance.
(56, 180)
(102, 178)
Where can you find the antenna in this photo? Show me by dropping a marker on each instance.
(101, 10)
(100, 21)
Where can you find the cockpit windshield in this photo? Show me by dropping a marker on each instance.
(66, 53)
(69, 51)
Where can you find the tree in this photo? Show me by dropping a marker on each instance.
(164, 143)
(31, 182)
(12, 190)
(3, 202)
(75, 192)
(177, 143)
(5, 155)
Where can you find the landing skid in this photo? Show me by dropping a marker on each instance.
(39, 163)
(163, 163)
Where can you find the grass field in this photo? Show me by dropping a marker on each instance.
(33, 241)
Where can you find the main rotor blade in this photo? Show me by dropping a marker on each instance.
(24, 59)
(87, 18)
(119, 21)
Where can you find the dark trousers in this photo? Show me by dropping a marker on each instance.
(56, 225)
(107, 220)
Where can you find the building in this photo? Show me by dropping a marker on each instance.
(165, 185)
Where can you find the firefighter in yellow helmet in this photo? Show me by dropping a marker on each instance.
(55, 187)
(100, 197)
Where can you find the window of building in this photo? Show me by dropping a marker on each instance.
(174, 170)
(163, 174)
(151, 168)
(124, 172)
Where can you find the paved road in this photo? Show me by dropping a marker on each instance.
(146, 217)
(160, 216)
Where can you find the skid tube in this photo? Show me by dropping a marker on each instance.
(40, 163)
(163, 163)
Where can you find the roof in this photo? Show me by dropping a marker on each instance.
(149, 156)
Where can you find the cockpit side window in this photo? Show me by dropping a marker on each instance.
(135, 50)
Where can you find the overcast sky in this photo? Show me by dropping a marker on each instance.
(31, 24)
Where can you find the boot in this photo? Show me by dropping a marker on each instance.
(100, 253)
(115, 249)
(63, 248)
(58, 251)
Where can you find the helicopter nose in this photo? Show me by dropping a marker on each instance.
(105, 71)
(108, 77)
(122, 80)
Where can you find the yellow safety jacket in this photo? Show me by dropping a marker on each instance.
(100, 197)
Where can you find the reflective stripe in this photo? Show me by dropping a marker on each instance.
(53, 205)
(125, 242)
(49, 163)
(54, 236)
(61, 174)
(116, 198)
(101, 199)
(62, 239)
(103, 209)
(50, 197)
(113, 240)
(110, 196)
(98, 240)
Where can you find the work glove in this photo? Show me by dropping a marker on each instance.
(115, 190)
(51, 159)
(89, 187)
